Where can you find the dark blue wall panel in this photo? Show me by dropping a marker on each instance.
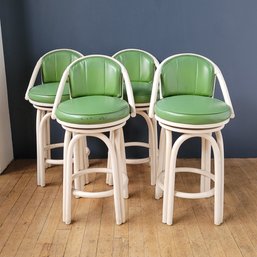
(223, 30)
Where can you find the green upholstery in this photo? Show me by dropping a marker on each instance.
(95, 90)
(141, 68)
(187, 75)
(95, 76)
(192, 109)
(54, 64)
(46, 93)
(96, 109)
(142, 92)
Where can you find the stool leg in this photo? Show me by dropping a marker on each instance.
(48, 142)
(221, 201)
(171, 183)
(160, 169)
(172, 174)
(67, 139)
(167, 174)
(109, 178)
(122, 162)
(152, 151)
(152, 145)
(84, 158)
(155, 136)
(38, 118)
(205, 184)
(68, 179)
(42, 146)
(219, 180)
(117, 186)
(77, 165)
(41, 157)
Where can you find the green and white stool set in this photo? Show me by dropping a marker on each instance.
(96, 94)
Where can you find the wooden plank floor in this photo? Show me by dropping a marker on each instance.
(31, 225)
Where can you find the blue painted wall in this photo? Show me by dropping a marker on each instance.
(223, 30)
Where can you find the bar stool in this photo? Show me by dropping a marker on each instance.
(187, 106)
(42, 96)
(141, 66)
(95, 107)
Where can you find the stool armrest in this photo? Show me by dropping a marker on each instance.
(33, 77)
(59, 93)
(224, 90)
(156, 83)
(129, 91)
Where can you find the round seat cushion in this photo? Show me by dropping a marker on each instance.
(92, 110)
(46, 93)
(192, 109)
(141, 91)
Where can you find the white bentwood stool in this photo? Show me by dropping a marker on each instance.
(51, 67)
(141, 66)
(95, 107)
(187, 106)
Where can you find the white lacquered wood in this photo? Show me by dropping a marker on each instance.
(54, 161)
(184, 128)
(76, 167)
(137, 161)
(84, 194)
(220, 143)
(160, 167)
(67, 138)
(151, 145)
(123, 166)
(33, 77)
(38, 117)
(168, 148)
(142, 144)
(205, 182)
(218, 192)
(53, 146)
(114, 169)
(155, 88)
(152, 141)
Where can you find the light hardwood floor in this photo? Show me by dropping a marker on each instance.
(31, 225)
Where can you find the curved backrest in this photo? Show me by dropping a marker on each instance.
(139, 64)
(95, 76)
(54, 63)
(187, 75)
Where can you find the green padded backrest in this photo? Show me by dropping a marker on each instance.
(55, 63)
(140, 66)
(95, 76)
(187, 75)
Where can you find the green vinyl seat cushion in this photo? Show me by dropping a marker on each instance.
(97, 109)
(46, 93)
(141, 91)
(192, 109)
